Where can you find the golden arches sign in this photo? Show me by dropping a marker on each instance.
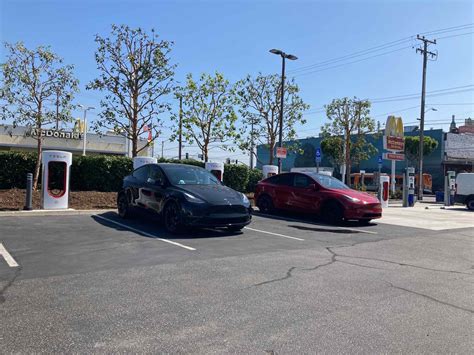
(393, 137)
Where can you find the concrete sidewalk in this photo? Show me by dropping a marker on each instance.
(428, 216)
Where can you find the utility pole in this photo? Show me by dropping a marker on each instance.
(280, 133)
(425, 54)
(180, 126)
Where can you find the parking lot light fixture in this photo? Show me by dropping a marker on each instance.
(283, 57)
(84, 134)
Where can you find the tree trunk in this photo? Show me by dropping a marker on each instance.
(38, 160)
(205, 152)
(271, 151)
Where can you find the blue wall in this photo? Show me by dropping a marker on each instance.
(432, 163)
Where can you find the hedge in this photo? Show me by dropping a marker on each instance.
(105, 173)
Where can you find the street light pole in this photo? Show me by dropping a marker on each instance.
(84, 134)
(280, 133)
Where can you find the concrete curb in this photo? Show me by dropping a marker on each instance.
(67, 212)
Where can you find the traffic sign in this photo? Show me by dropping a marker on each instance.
(380, 160)
(318, 155)
(281, 152)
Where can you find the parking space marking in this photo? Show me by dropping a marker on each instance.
(144, 233)
(277, 234)
(313, 223)
(8, 258)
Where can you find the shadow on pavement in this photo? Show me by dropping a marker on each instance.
(311, 219)
(149, 225)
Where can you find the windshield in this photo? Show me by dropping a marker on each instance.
(186, 175)
(328, 181)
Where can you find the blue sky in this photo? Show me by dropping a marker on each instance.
(234, 37)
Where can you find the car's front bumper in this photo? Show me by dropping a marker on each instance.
(369, 211)
(216, 216)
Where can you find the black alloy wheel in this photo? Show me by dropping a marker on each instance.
(123, 206)
(265, 204)
(172, 218)
(333, 212)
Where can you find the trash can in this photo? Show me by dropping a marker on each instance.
(439, 196)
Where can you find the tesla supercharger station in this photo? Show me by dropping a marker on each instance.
(384, 190)
(449, 188)
(409, 187)
(269, 170)
(55, 179)
(217, 169)
(139, 161)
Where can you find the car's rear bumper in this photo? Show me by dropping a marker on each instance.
(364, 212)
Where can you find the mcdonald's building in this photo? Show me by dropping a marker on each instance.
(69, 140)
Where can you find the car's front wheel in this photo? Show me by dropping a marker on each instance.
(123, 206)
(470, 204)
(333, 212)
(172, 218)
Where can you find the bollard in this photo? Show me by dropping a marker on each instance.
(29, 192)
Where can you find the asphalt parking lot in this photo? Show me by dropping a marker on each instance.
(95, 283)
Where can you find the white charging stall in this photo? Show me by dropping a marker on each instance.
(217, 169)
(384, 191)
(139, 161)
(55, 179)
(269, 170)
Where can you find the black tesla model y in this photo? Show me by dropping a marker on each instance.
(185, 196)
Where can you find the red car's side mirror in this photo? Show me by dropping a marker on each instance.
(314, 187)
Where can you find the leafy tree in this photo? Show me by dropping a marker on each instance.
(259, 105)
(332, 148)
(34, 80)
(350, 118)
(208, 115)
(136, 74)
(412, 147)
(308, 156)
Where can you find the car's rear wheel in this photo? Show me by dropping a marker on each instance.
(172, 218)
(123, 206)
(470, 204)
(333, 212)
(265, 204)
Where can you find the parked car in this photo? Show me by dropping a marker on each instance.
(316, 193)
(465, 190)
(185, 196)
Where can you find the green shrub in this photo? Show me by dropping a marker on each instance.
(236, 176)
(13, 168)
(255, 176)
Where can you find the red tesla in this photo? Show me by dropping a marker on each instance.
(318, 194)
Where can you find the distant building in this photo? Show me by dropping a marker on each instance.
(452, 126)
(22, 139)
(468, 126)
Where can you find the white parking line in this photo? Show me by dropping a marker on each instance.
(145, 233)
(277, 234)
(313, 223)
(8, 258)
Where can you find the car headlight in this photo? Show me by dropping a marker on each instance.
(352, 199)
(192, 198)
(245, 200)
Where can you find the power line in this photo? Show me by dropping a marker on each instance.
(461, 34)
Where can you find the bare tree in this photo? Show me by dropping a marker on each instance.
(136, 74)
(37, 90)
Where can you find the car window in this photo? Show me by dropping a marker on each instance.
(282, 179)
(141, 173)
(190, 175)
(301, 181)
(328, 181)
(156, 174)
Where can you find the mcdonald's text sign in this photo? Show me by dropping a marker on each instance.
(393, 139)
